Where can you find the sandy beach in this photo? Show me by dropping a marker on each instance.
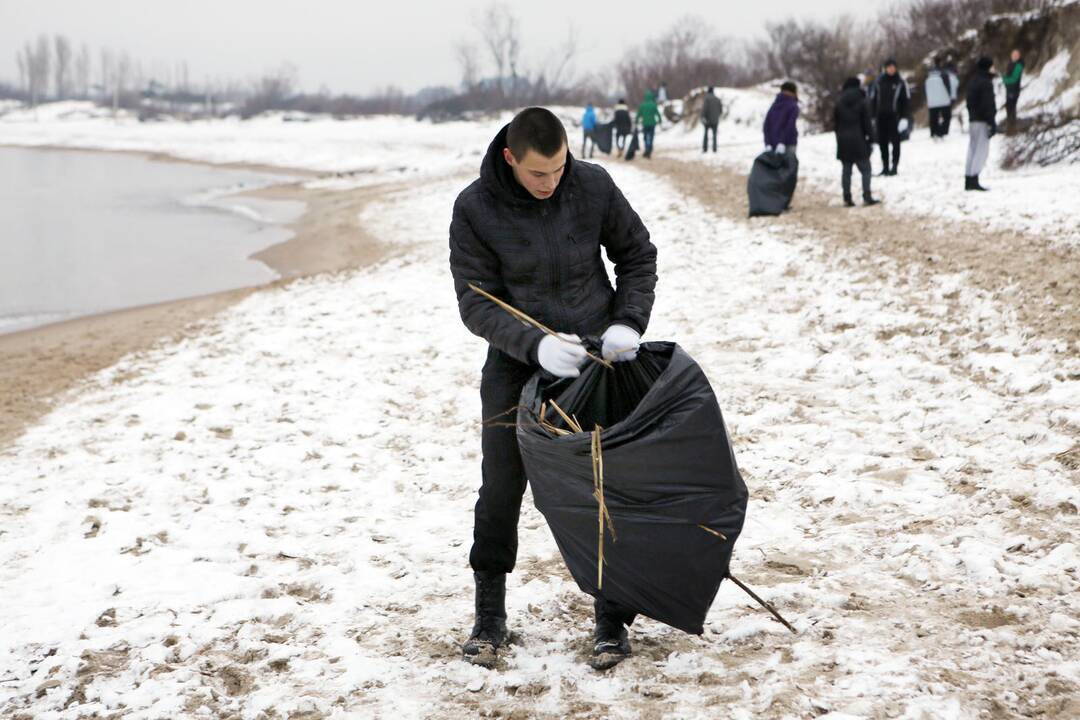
(39, 365)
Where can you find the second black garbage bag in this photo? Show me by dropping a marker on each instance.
(670, 484)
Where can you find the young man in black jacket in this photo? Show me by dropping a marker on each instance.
(892, 107)
(982, 121)
(529, 231)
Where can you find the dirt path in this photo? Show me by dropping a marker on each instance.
(1041, 285)
(40, 365)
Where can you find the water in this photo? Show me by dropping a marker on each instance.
(88, 232)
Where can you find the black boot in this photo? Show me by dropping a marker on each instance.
(489, 631)
(967, 182)
(848, 202)
(869, 200)
(975, 184)
(612, 646)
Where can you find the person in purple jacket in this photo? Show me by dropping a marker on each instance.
(781, 136)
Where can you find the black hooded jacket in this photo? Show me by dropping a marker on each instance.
(981, 105)
(891, 96)
(853, 130)
(543, 256)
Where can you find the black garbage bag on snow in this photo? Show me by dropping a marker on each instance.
(633, 146)
(772, 183)
(602, 137)
(670, 482)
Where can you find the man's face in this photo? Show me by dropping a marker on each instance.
(890, 69)
(1015, 55)
(538, 174)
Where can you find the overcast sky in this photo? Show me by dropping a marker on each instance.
(358, 46)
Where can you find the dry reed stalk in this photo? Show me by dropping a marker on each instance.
(535, 323)
(598, 493)
(566, 418)
(768, 606)
(717, 533)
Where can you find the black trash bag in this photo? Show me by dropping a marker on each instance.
(772, 183)
(670, 482)
(602, 137)
(633, 146)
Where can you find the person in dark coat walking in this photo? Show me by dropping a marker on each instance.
(711, 111)
(624, 123)
(982, 121)
(530, 231)
(853, 137)
(1013, 73)
(891, 102)
(781, 134)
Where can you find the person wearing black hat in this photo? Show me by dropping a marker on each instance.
(853, 133)
(982, 121)
(891, 101)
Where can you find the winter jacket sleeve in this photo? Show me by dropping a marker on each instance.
(473, 261)
(628, 246)
(903, 101)
(1015, 71)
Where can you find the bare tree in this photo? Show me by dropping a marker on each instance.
(43, 65)
(24, 72)
(501, 34)
(81, 72)
(556, 75)
(105, 68)
(62, 66)
(469, 64)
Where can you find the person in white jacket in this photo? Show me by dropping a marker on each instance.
(939, 97)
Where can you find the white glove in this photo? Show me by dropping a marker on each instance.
(620, 343)
(561, 356)
(902, 126)
(780, 148)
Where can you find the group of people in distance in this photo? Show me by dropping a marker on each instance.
(647, 118)
(881, 111)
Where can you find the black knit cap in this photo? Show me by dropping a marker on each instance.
(789, 87)
(851, 82)
(985, 62)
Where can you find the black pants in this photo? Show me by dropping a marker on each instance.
(705, 139)
(495, 540)
(590, 135)
(939, 121)
(503, 475)
(845, 176)
(1012, 97)
(888, 134)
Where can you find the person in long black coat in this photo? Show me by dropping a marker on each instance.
(853, 138)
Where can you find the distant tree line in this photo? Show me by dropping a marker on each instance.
(497, 73)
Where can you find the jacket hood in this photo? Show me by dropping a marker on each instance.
(852, 96)
(785, 98)
(649, 96)
(497, 177)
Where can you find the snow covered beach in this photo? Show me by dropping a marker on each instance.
(269, 518)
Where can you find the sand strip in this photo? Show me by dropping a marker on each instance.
(39, 365)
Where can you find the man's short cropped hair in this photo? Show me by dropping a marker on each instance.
(537, 129)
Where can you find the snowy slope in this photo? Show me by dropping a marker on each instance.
(275, 517)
